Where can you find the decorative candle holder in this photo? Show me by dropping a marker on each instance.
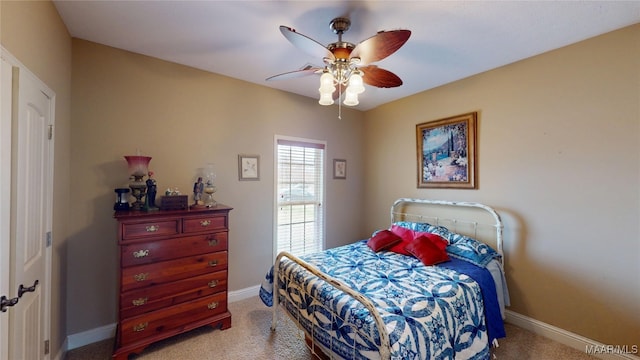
(209, 186)
(138, 168)
(209, 189)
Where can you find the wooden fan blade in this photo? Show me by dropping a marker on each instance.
(306, 43)
(295, 74)
(380, 46)
(378, 77)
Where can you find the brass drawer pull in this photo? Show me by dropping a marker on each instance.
(140, 301)
(140, 327)
(213, 283)
(213, 242)
(213, 305)
(213, 263)
(140, 253)
(205, 223)
(141, 276)
(153, 228)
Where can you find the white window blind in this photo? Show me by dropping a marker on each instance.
(300, 192)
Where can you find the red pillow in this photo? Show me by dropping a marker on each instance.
(407, 237)
(383, 240)
(427, 251)
(404, 233)
(440, 242)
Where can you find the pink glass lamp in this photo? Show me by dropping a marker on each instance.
(138, 168)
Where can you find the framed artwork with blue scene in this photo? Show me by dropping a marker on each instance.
(446, 150)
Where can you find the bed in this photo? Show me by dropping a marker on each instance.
(368, 301)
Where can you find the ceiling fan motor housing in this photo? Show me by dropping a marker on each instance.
(339, 25)
(340, 49)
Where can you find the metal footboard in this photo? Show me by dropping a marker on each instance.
(384, 349)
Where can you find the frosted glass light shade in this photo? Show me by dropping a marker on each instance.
(326, 82)
(351, 98)
(326, 98)
(356, 84)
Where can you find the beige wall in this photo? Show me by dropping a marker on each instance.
(185, 118)
(33, 32)
(559, 157)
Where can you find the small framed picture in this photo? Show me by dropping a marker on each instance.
(248, 167)
(339, 169)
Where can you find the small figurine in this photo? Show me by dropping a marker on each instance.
(198, 188)
(152, 189)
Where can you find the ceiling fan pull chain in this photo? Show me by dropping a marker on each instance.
(339, 102)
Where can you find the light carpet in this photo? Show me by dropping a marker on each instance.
(250, 337)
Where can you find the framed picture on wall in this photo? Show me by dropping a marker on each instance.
(248, 167)
(339, 169)
(446, 150)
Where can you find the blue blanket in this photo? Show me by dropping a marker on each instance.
(482, 276)
(428, 311)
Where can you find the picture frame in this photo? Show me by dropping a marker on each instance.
(446, 152)
(248, 167)
(339, 168)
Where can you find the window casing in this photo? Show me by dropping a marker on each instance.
(299, 196)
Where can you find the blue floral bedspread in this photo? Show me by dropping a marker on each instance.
(430, 312)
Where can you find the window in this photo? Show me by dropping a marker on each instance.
(299, 196)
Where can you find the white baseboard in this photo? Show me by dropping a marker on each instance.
(105, 332)
(243, 294)
(90, 336)
(562, 336)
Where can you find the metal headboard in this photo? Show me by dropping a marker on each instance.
(496, 224)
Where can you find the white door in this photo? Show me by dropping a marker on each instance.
(31, 215)
(5, 199)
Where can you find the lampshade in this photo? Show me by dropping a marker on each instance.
(326, 89)
(138, 165)
(356, 84)
(326, 98)
(351, 98)
(326, 83)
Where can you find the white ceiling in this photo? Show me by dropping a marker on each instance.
(450, 40)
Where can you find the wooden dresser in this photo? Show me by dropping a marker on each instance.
(173, 274)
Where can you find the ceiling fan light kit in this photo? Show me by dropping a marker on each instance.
(347, 66)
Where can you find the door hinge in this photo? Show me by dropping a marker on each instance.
(50, 135)
(49, 238)
(46, 347)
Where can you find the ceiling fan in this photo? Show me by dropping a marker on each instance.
(347, 66)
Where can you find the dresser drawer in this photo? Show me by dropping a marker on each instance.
(166, 271)
(137, 302)
(140, 253)
(205, 223)
(150, 229)
(171, 318)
